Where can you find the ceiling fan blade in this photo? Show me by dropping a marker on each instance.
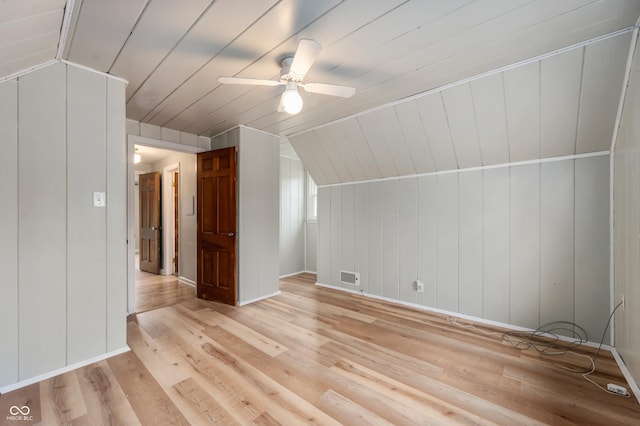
(250, 81)
(307, 52)
(329, 89)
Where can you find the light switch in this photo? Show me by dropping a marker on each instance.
(99, 199)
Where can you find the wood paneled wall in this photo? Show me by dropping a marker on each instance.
(520, 244)
(63, 260)
(166, 134)
(187, 222)
(311, 244)
(292, 216)
(258, 210)
(627, 225)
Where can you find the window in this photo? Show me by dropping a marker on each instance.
(312, 199)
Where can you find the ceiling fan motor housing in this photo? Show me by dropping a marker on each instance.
(285, 74)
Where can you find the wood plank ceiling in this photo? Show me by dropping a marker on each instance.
(29, 33)
(388, 50)
(559, 105)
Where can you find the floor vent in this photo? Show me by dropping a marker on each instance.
(351, 278)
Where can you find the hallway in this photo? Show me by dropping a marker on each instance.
(155, 291)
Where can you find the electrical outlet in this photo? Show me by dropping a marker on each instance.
(419, 286)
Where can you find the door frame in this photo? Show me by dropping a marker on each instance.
(133, 140)
(168, 222)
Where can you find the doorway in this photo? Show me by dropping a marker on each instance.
(176, 278)
(171, 219)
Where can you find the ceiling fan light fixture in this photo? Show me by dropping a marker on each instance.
(292, 73)
(291, 99)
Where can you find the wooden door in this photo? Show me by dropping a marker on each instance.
(150, 239)
(176, 223)
(216, 245)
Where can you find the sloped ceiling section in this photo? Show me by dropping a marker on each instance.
(173, 52)
(558, 105)
(29, 33)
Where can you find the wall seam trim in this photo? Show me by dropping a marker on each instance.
(106, 215)
(17, 376)
(472, 169)
(66, 205)
(614, 137)
(64, 31)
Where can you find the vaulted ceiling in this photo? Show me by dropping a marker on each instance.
(173, 52)
(556, 105)
(440, 84)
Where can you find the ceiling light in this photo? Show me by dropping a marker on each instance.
(291, 99)
(136, 158)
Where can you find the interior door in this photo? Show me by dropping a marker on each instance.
(149, 186)
(216, 244)
(176, 223)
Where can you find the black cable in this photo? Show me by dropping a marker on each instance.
(604, 333)
(544, 340)
(549, 347)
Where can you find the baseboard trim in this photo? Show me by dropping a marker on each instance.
(627, 374)
(291, 274)
(187, 281)
(311, 272)
(257, 299)
(62, 370)
(453, 314)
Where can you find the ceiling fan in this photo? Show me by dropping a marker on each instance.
(293, 71)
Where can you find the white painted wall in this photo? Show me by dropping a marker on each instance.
(627, 225)
(258, 210)
(63, 260)
(522, 244)
(292, 216)
(311, 250)
(152, 131)
(187, 223)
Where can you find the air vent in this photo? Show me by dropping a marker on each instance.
(351, 278)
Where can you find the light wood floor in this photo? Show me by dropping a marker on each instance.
(155, 291)
(319, 356)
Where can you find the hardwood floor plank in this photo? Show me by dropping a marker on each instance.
(320, 356)
(282, 330)
(166, 368)
(150, 402)
(28, 396)
(198, 406)
(155, 291)
(212, 369)
(255, 339)
(349, 412)
(265, 420)
(429, 410)
(62, 399)
(105, 400)
(408, 372)
(283, 405)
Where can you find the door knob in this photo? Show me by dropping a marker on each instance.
(230, 234)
